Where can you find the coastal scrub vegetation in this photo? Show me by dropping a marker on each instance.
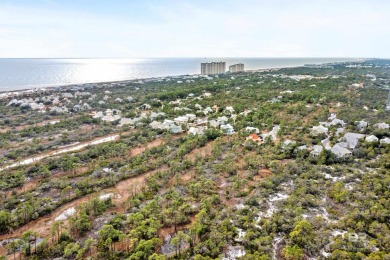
(151, 170)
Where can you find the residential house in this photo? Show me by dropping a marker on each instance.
(319, 130)
(372, 138)
(222, 119)
(155, 125)
(181, 119)
(207, 110)
(197, 130)
(361, 125)
(175, 129)
(154, 115)
(340, 151)
(301, 148)
(255, 138)
(129, 121)
(381, 126)
(350, 140)
(201, 121)
(191, 117)
(252, 129)
(385, 140)
(317, 150)
(287, 143)
(333, 121)
(227, 129)
(198, 107)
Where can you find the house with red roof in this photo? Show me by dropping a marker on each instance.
(255, 138)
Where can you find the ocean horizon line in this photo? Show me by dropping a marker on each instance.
(197, 57)
(29, 73)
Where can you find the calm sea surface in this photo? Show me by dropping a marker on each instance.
(18, 74)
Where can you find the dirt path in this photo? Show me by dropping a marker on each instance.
(43, 224)
(70, 148)
(21, 127)
(122, 191)
(32, 184)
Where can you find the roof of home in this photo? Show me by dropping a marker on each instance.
(385, 140)
(339, 150)
(382, 126)
(372, 138)
(254, 136)
(352, 139)
(317, 148)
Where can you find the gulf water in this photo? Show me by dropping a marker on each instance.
(16, 74)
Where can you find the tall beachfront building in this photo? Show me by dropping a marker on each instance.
(211, 68)
(236, 68)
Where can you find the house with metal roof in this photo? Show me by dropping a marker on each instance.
(372, 138)
(319, 130)
(340, 151)
(350, 140)
(317, 150)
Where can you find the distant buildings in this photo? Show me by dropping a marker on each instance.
(236, 68)
(211, 68)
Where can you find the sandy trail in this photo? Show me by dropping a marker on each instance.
(29, 185)
(21, 127)
(122, 191)
(43, 224)
(67, 149)
(121, 188)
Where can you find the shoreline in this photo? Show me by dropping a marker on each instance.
(67, 85)
(51, 87)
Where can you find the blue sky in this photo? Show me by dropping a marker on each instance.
(212, 28)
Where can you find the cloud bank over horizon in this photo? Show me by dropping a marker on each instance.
(135, 29)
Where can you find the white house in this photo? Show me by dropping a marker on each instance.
(372, 138)
(361, 125)
(385, 140)
(229, 109)
(319, 130)
(351, 140)
(181, 119)
(317, 149)
(197, 130)
(381, 126)
(340, 151)
(252, 129)
(227, 129)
